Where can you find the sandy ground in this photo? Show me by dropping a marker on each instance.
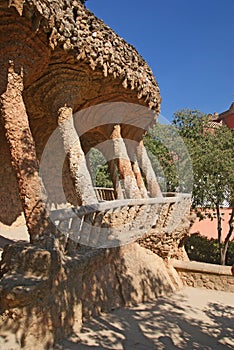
(191, 319)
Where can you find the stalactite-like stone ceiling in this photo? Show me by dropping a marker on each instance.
(70, 57)
(70, 26)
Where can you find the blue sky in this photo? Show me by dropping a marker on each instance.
(188, 44)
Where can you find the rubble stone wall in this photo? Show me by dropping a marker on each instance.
(45, 297)
(202, 275)
(166, 240)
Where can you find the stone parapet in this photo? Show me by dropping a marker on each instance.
(203, 275)
(167, 237)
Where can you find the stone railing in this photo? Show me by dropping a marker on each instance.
(108, 194)
(203, 275)
(105, 193)
(118, 222)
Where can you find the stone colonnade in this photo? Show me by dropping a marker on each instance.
(38, 78)
(124, 165)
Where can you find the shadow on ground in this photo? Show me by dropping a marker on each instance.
(192, 319)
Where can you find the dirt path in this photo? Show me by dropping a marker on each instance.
(191, 319)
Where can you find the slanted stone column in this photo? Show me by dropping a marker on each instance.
(131, 149)
(23, 156)
(148, 171)
(77, 163)
(139, 179)
(115, 179)
(123, 163)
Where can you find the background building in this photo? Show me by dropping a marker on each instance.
(227, 117)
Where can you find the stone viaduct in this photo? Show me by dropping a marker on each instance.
(64, 71)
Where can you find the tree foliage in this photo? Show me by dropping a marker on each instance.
(161, 159)
(200, 248)
(99, 169)
(170, 158)
(211, 149)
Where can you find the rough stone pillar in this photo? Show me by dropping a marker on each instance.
(131, 149)
(23, 156)
(77, 163)
(123, 163)
(139, 179)
(115, 179)
(148, 171)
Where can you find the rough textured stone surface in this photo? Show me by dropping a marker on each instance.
(77, 163)
(67, 58)
(123, 163)
(23, 154)
(116, 223)
(148, 171)
(70, 26)
(10, 203)
(203, 275)
(208, 281)
(45, 295)
(166, 239)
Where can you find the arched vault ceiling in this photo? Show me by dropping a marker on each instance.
(69, 56)
(69, 26)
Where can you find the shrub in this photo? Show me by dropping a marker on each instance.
(200, 248)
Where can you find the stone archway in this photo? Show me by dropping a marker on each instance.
(55, 60)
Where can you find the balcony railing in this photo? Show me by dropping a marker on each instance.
(108, 194)
(105, 193)
(117, 222)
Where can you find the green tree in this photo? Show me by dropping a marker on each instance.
(200, 248)
(161, 158)
(99, 169)
(170, 158)
(211, 149)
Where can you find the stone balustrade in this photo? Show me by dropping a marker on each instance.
(105, 193)
(202, 275)
(118, 222)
